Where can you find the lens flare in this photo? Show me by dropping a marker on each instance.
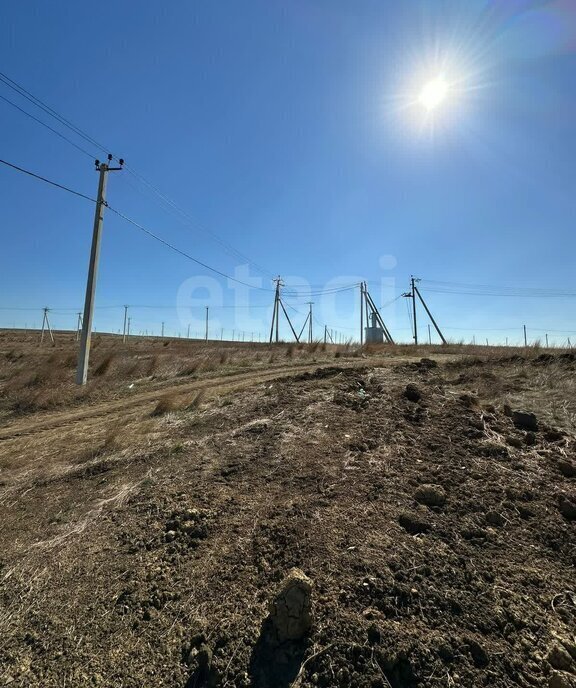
(434, 93)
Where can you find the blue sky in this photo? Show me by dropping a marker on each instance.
(288, 129)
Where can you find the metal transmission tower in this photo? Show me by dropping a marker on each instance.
(376, 330)
(276, 313)
(415, 292)
(103, 168)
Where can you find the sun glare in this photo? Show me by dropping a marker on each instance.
(433, 93)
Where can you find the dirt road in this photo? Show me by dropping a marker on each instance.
(142, 401)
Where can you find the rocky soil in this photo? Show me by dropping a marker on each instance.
(431, 525)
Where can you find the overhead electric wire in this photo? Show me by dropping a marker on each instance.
(4, 78)
(491, 290)
(181, 252)
(82, 150)
(192, 222)
(48, 181)
(15, 86)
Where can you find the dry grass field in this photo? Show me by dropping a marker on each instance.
(150, 517)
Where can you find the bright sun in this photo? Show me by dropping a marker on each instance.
(433, 93)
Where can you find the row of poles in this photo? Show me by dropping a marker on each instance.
(375, 325)
(330, 335)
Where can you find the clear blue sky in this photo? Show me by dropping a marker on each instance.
(287, 128)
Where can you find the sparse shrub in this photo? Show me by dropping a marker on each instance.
(223, 358)
(290, 351)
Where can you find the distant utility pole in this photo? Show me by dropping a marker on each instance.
(221, 333)
(310, 303)
(128, 330)
(83, 358)
(162, 330)
(206, 323)
(546, 339)
(361, 313)
(188, 335)
(46, 324)
(429, 335)
(414, 310)
(233, 333)
(525, 338)
(78, 326)
(275, 312)
(125, 324)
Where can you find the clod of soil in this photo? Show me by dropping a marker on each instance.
(430, 495)
(412, 393)
(567, 468)
(525, 420)
(291, 608)
(567, 506)
(561, 679)
(559, 658)
(414, 523)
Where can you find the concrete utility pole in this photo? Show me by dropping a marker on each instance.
(188, 335)
(206, 323)
(46, 324)
(83, 358)
(525, 338)
(78, 326)
(361, 313)
(128, 330)
(125, 323)
(162, 330)
(546, 339)
(429, 335)
(275, 310)
(414, 311)
(310, 303)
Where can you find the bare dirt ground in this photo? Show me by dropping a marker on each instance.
(149, 520)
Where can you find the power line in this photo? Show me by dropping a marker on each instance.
(187, 219)
(180, 251)
(15, 86)
(48, 181)
(82, 150)
(491, 290)
(18, 88)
